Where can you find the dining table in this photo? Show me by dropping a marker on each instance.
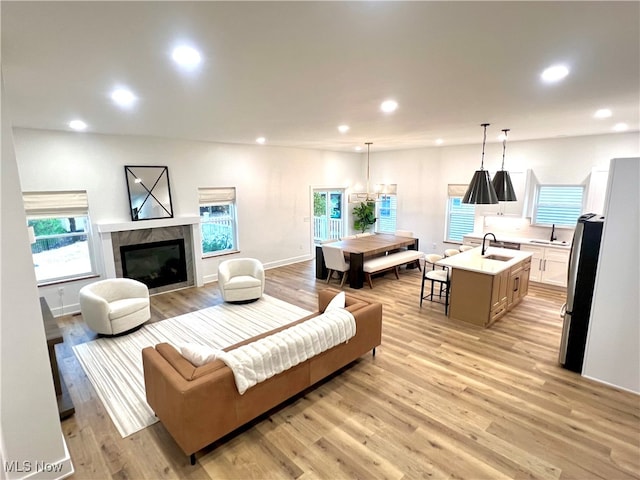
(359, 248)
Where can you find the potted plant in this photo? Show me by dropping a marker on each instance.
(364, 216)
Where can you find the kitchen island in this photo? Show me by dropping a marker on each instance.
(485, 287)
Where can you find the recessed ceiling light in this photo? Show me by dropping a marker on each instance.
(186, 57)
(343, 128)
(620, 127)
(554, 73)
(389, 106)
(357, 149)
(78, 125)
(261, 140)
(602, 113)
(123, 97)
(439, 141)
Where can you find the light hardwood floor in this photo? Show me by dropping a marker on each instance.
(441, 399)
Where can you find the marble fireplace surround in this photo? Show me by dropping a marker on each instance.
(115, 235)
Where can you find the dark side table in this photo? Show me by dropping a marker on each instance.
(54, 336)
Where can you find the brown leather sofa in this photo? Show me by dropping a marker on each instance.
(199, 405)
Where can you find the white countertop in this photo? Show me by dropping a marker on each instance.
(524, 241)
(472, 260)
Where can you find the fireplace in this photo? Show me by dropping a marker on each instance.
(115, 236)
(155, 264)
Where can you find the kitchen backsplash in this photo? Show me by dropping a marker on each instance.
(520, 227)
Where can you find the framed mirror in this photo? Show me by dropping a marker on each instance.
(149, 192)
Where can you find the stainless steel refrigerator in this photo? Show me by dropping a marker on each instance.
(583, 263)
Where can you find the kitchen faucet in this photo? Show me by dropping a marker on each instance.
(484, 249)
(553, 231)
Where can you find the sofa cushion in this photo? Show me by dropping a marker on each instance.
(185, 368)
(198, 354)
(336, 302)
(126, 306)
(242, 281)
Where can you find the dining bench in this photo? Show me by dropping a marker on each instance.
(392, 261)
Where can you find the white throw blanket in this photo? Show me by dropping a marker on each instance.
(264, 358)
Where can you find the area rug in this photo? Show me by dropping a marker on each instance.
(114, 365)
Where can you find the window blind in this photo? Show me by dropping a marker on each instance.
(558, 204)
(56, 204)
(213, 195)
(456, 190)
(461, 218)
(386, 214)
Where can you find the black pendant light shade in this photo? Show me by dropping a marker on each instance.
(503, 186)
(502, 180)
(481, 190)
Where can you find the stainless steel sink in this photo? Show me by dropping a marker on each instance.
(500, 258)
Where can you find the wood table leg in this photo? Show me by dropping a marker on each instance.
(415, 264)
(356, 274)
(321, 268)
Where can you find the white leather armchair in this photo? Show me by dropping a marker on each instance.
(241, 279)
(114, 305)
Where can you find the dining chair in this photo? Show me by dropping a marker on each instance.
(335, 262)
(435, 274)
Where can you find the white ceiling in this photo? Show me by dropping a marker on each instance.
(294, 71)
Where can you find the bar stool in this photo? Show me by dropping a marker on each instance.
(464, 248)
(450, 252)
(433, 274)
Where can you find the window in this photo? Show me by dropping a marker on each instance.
(460, 216)
(218, 222)
(61, 235)
(558, 204)
(386, 208)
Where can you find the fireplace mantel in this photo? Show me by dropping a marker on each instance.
(141, 224)
(108, 229)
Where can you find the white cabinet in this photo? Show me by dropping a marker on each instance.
(596, 191)
(548, 264)
(519, 181)
(536, 262)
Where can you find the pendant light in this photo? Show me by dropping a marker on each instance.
(364, 196)
(502, 179)
(481, 189)
(370, 198)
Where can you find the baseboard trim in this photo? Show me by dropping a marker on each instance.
(612, 385)
(66, 310)
(267, 266)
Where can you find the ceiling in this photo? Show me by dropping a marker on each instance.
(293, 71)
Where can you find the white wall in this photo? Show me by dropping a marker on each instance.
(272, 186)
(612, 353)
(422, 175)
(29, 422)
